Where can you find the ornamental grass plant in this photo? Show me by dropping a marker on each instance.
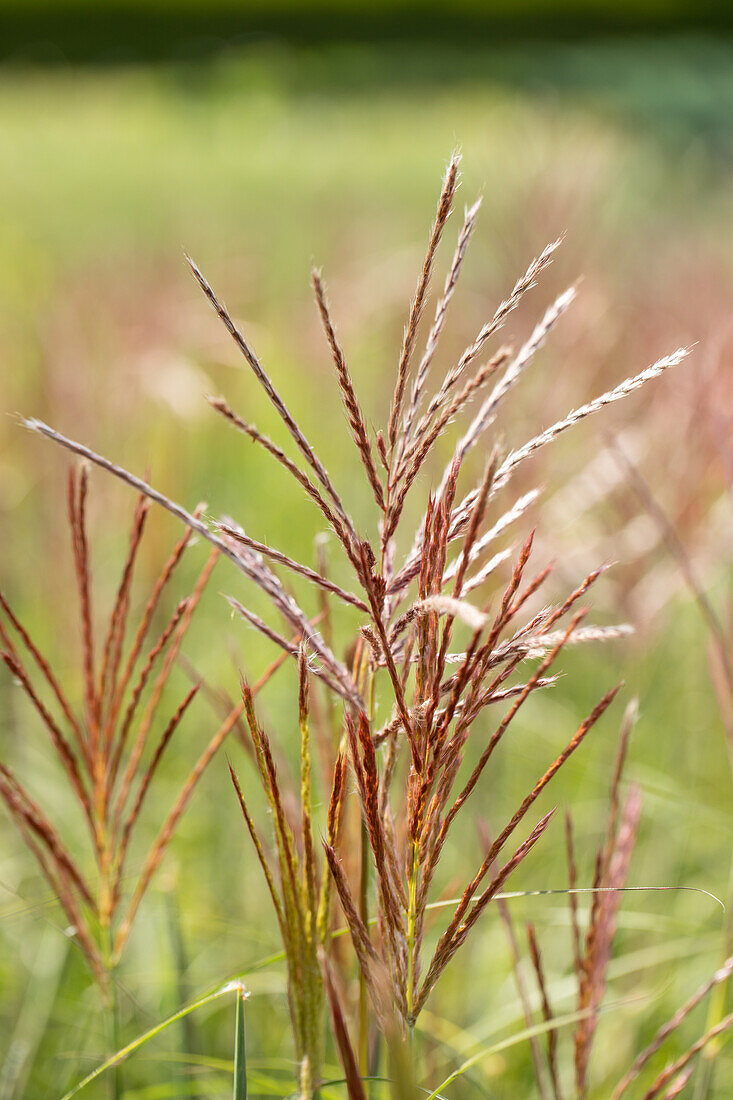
(452, 632)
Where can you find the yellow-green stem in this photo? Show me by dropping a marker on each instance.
(364, 908)
(411, 929)
(363, 994)
(109, 994)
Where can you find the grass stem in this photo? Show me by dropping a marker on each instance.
(364, 914)
(240, 1057)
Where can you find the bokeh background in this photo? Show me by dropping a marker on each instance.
(262, 138)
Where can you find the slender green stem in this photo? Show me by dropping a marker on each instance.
(411, 929)
(408, 1070)
(364, 910)
(116, 1079)
(402, 1071)
(109, 994)
(364, 913)
(240, 1056)
(113, 1028)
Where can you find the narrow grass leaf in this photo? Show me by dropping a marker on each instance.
(240, 1054)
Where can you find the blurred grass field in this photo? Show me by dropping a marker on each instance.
(260, 163)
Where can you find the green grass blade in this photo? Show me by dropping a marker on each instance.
(505, 1044)
(120, 1055)
(515, 894)
(240, 1055)
(520, 1037)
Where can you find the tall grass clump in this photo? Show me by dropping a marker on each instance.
(110, 745)
(450, 639)
(300, 896)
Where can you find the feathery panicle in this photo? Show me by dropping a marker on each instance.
(600, 935)
(119, 737)
(100, 766)
(147, 616)
(722, 974)
(441, 312)
(23, 807)
(342, 531)
(445, 204)
(455, 935)
(145, 781)
(259, 849)
(63, 750)
(679, 1084)
(159, 846)
(516, 512)
(486, 415)
(296, 567)
(252, 568)
(596, 405)
(146, 722)
(276, 400)
(523, 284)
(77, 499)
(351, 404)
(427, 435)
(112, 651)
(674, 1072)
(44, 668)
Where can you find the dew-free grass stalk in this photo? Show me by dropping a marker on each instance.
(363, 677)
(411, 922)
(240, 1054)
(296, 883)
(365, 862)
(113, 1015)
